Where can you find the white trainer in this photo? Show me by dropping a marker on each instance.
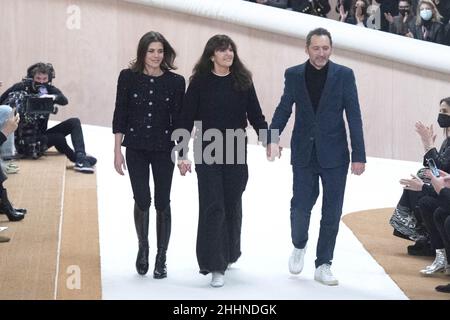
(217, 279)
(297, 260)
(324, 275)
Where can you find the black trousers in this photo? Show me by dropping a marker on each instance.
(56, 136)
(138, 164)
(220, 189)
(427, 207)
(442, 221)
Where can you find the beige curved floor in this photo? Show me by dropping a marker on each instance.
(51, 256)
(372, 228)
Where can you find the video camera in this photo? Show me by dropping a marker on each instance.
(33, 110)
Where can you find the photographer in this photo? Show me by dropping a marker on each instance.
(38, 82)
(7, 126)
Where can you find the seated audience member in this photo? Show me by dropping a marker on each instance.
(39, 83)
(408, 218)
(357, 15)
(427, 25)
(386, 7)
(441, 185)
(447, 34)
(443, 6)
(346, 5)
(315, 7)
(283, 4)
(400, 24)
(8, 124)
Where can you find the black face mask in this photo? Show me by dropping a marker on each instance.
(403, 12)
(444, 120)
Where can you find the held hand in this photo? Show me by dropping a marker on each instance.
(273, 150)
(11, 124)
(358, 168)
(439, 183)
(184, 166)
(119, 163)
(414, 184)
(409, 35)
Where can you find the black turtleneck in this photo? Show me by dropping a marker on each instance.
(315, 82)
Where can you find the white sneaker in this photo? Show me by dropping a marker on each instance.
(324, 275)
(217, 279)
(297, 260)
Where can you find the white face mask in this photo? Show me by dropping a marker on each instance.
(426, 14)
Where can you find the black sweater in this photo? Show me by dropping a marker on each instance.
(215, 102)
(315, 82)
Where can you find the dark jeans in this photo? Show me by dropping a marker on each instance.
(138, 164)
(442, 221)
(306, 191)
(427, 206)
(56, 136)
(220, 189)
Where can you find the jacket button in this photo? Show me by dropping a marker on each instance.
(148, 127)
(150, 103)
(131, 129)
(152, 80)
(149, 114)
(167, 131)
(135, 95)
(167, 99)
(151, 91)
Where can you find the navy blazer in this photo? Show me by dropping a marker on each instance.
(326, 128)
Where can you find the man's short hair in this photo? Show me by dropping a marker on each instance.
(318, 32)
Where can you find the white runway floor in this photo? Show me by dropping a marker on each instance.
(261, 273)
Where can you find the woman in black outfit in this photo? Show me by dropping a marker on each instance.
(221, 95)
(149, 96)
(416, 206)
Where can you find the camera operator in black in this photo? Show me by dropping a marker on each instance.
(149, 97)
(38, 82)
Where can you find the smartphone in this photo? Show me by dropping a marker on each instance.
(433, 168)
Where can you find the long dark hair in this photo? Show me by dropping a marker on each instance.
(241, 75)
(138, 64)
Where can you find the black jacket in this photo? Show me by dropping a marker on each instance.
(319, 7)
(441, 158)
(436, 32)
(146, 109)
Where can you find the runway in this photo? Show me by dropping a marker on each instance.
(261, 273)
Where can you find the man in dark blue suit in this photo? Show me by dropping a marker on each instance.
(322, 91)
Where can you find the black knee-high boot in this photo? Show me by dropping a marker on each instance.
(141, 220)
(163, 227)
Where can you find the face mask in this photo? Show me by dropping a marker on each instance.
(403, 12)
(426, 14)
(444, 120)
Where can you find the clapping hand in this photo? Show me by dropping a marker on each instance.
(413, 184)
(426, 134)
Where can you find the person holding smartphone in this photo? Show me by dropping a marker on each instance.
(426, 198)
